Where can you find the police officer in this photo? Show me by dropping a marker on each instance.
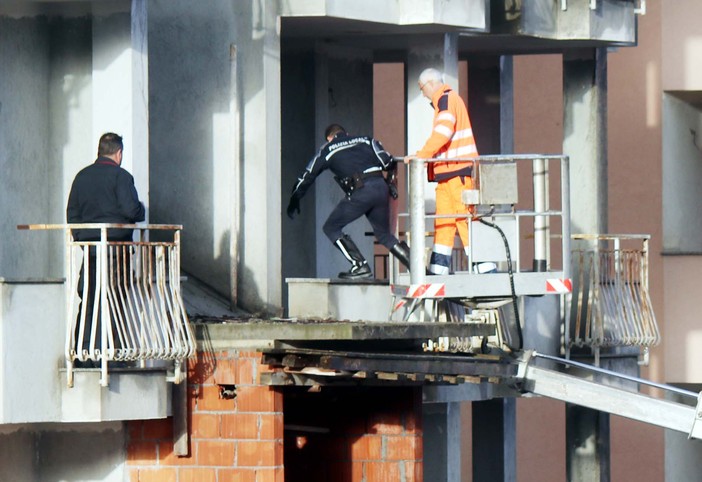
(357, 163)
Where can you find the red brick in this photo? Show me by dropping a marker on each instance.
(201, 368)
(271, 426)
(240, 425)
(413, 423)
(236, 475)
(197, 475)
(259, 454)
(382, 471)
(358, 471)
(167, 457)
(385, 423)
(134, 429)
(247, 367)
(250, 354)
(414, 469)
(215, 453)
(157, 475)
(141, 453)
(205, 425)
(369, 447)
(400, 447)
(258, 399)
(158, 429)
(270, 475)
(210, 400)
(226, 372)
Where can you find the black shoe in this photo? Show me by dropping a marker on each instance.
(402, 252)
(362, 271)
(359, 265)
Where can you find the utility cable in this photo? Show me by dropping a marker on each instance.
(511, 280)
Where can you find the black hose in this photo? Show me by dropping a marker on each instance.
(511, 281)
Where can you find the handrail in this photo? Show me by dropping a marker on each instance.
(610, 304)
(540, 212)
(135, 287)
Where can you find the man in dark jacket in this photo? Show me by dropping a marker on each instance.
(358, 163)
(103, 192)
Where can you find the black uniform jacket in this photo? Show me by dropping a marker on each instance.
(345, 156)
(104, 193)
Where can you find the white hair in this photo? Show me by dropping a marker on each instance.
(429, 75)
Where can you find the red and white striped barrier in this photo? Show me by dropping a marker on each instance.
(427, 290)
(556, 285)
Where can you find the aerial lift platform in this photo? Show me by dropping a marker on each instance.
(601, 281)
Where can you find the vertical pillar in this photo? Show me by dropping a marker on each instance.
(585, 137)
(587, 445)
(506, 104)
(494, 446)
(441, 424)
(585, 141)
(120, 85)
(258, 55)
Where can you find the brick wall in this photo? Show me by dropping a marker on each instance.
(353, 435)
(231, 440)
(357, 434)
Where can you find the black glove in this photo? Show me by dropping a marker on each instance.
(293, 205)
(392, 186)
(392, 183)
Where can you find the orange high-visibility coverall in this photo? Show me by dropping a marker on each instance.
(451, 137)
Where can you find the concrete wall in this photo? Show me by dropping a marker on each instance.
(299, 141)
(32, 334)
(215, 141)
(24, 144)
(344, 85)
(680, 44)
(682, 175)
(43, 453)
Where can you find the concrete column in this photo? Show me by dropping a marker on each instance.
(585, 137)
(441, 53)
(494, 446)
(585, 141)
(260, 254)
(441, 423)
(587, 445)
(506, 104)
(451, 59)
(120, 84)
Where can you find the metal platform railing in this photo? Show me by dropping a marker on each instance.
(610, 304)
(123, 299)
(498, 224)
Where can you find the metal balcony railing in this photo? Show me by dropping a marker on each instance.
(610, 304)
(123, 299)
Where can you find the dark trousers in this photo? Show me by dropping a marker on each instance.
(121, 266)
(372, 200)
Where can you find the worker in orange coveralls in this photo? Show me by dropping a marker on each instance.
(451, 137)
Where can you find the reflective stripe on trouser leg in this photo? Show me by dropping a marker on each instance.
(339, 243)
(440, 260)
(448, 201)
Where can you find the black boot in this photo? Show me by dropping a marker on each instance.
(402, 252)
(359, 268)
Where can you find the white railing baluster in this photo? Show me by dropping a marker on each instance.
(137, 309)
